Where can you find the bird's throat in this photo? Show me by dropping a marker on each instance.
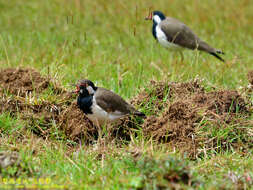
(85, 103)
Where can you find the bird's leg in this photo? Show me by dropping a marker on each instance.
(174, 61)
(99, 127)
(109, 130)
(182, 56)
(106, 128)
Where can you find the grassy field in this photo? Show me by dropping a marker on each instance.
(110, 43)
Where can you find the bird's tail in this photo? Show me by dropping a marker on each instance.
(220, 52)
(203, 46)
(215, 54)
(140, 114)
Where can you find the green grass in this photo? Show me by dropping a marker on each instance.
(100, 43)
(10, 125)
(110, 43)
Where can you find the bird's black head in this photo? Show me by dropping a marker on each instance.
(156, 16)
(85, 88)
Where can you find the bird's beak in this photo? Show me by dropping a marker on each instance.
(77, 89)
(149, 17)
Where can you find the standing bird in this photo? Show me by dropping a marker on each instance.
(173, 34)
(102, 105)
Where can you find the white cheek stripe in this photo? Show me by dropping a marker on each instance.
(157, 19)
(90, 90)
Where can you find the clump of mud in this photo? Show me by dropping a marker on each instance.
(21, 81)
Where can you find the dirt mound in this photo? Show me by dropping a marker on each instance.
(250, 77)
(76, 125)
(39, 116)
(156, 97)
(23, 80)
(176, 122)
(126, 127)
(11, 105)
(221, 102)
(179, 122)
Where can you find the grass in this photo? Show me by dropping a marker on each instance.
(110, 43)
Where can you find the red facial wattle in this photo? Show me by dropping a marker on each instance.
(149, 17)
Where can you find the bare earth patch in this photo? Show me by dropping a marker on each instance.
(20, 81)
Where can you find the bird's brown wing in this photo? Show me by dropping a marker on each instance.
(112, 102)
(180, 34)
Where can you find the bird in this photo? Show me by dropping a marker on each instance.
(102, 105)
(174, 34)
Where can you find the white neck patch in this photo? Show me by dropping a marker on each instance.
(157, 19)
(90, 90)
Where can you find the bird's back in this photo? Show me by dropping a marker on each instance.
(180, 34)
(112, 102)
